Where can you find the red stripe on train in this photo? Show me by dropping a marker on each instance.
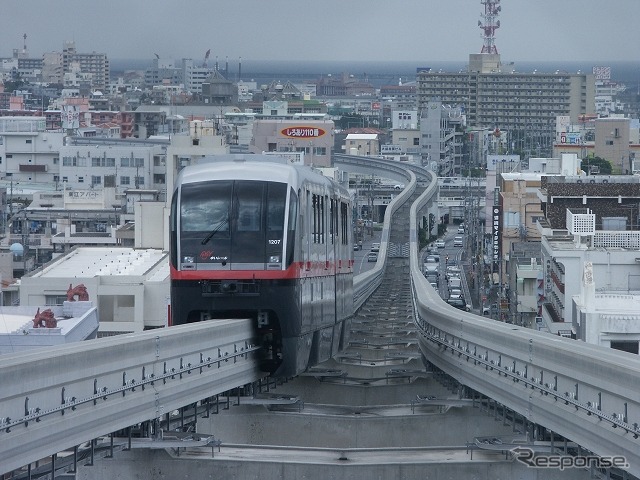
(296, 270)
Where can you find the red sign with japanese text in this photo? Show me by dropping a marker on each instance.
(303, 132)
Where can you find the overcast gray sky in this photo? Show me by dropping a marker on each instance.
(369, 30)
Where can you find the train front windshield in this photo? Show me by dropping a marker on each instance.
(233, 224)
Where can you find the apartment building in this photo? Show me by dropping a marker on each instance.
(441, 137)
(96, 64)
(608, 208)
(494, 95)
(610, 255)
(29, 153)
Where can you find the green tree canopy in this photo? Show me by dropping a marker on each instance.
(603, 166)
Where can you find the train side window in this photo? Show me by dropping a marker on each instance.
(291, 227)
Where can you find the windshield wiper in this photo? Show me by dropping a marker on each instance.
(218, 227)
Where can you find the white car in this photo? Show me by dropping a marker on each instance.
(455, 293)
(440, 244)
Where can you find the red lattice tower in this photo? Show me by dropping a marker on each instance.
(489, 25)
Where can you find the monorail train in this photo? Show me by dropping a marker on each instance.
(268, 241)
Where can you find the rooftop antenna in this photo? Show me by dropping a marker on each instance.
(24, 44)
(491, 10)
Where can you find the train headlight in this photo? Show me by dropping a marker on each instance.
(187, 259)
(274, 259)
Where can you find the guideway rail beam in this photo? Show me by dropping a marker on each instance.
(54, 399)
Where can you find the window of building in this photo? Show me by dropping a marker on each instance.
(65, 179)
(159, 178)
(56, 160)
(625, 346)
(139, 181)
(28, 140)
(96, 180)
(125, 180)
(80, 179)
(416, 141)
(54, 300)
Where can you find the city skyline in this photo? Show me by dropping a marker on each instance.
(414, 30)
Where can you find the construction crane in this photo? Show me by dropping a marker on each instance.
(206, 57)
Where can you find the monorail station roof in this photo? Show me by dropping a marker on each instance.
(21, 331)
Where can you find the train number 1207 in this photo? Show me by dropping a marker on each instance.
(274, 242)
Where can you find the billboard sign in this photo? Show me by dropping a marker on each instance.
(496, 231)
(303, 132)
(570, 138)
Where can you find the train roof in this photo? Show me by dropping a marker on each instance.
(263, 168)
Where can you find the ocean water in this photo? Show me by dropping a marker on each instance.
(385, 73)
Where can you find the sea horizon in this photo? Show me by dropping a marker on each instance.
(624, 72)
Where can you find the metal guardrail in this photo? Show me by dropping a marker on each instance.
(55, 399)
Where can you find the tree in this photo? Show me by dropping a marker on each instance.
(350, 120)
(604, 166)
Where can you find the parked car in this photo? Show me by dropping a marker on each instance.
(458, 303)
(432, 277)
(372, 257)
(453, 270)
(455, 293)
(440, 243)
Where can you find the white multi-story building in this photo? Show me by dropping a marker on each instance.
(194, 75)
(121, 164)
(28, 153)
(441, 130)
(613, 255)
(607, 318)
(130, 287)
